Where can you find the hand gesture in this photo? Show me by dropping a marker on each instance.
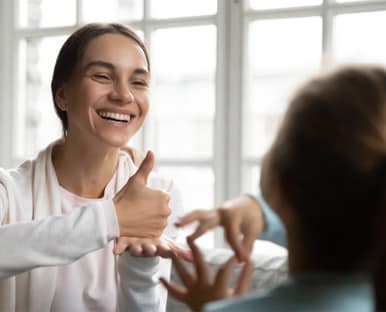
(199, 289)
(142, 247)
(241, 218)
(141, 211)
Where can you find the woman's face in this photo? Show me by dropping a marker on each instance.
(107, 99)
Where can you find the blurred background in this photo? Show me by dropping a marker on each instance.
(222, 73)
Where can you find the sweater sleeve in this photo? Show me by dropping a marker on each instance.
(55, 240)
(273, 227)
(140, 289)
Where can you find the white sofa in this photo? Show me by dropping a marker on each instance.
(270, 268)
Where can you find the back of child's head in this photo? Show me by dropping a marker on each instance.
(330, 163)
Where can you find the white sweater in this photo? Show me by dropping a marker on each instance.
(35, 237)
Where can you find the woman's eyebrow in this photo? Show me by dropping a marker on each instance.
(110, 66)
(99, 63)
(141, 71)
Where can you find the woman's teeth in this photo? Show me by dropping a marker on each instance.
(115, 116)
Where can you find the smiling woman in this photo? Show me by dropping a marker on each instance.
(112, 78)
(92, 186)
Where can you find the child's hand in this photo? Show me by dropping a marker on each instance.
(198, 289)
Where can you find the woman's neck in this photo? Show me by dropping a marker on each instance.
(82, 170)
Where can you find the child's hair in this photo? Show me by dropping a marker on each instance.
(330, 163)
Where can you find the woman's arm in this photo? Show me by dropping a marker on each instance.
(55, 240)
(141, 266)
(139, 286)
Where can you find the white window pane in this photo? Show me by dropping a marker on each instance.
(250, 179)
(183, 137)
(266, 103)
(355, 39)
(273, 4)
(185, 52)
(281, 54)
(47, 13)
(183, 96)
(181, 8)
(197, 189)
(37, 123)
(285, 45)
(111, 10)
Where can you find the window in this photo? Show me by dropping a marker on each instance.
(286, 42)
(223, 71)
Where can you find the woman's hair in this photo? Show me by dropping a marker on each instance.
(329, 160)
(72, 52)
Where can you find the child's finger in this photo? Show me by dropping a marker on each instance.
(245, 278)
(199, 263)
(223, 275)
(176, 291)
(186, 277)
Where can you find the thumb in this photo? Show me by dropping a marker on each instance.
(145, 168)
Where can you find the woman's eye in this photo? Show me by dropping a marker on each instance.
(101, 77)
(140, 83)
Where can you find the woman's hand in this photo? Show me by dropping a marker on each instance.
(142, 247)
(141, 211)
(241, 218)
(199, 289)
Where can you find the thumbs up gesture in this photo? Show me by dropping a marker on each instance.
(142, 212)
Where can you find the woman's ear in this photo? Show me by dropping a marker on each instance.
(61, 98)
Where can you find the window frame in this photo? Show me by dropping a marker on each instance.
(232, 20)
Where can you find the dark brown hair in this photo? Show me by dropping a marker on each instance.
(330, 163)
(72, 52)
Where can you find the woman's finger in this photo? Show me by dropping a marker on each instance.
(149, 249)
(135, 250)
(121, 245)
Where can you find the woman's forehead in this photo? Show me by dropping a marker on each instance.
(116, 49)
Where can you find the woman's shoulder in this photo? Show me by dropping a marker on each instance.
(23, 172)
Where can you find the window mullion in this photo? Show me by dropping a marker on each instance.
(8, 59)
(235, 77)
(79, 12)
(227, 143)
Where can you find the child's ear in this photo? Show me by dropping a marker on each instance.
(61, 98)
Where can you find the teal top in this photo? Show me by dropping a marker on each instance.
(274, 230)
(312, 292)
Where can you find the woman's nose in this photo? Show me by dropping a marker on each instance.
(122, 93)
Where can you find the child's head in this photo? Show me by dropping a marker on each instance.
(327, 167)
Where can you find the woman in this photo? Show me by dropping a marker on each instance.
(325, 177)
(67, 206)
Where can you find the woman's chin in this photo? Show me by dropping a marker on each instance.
(116, 141)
